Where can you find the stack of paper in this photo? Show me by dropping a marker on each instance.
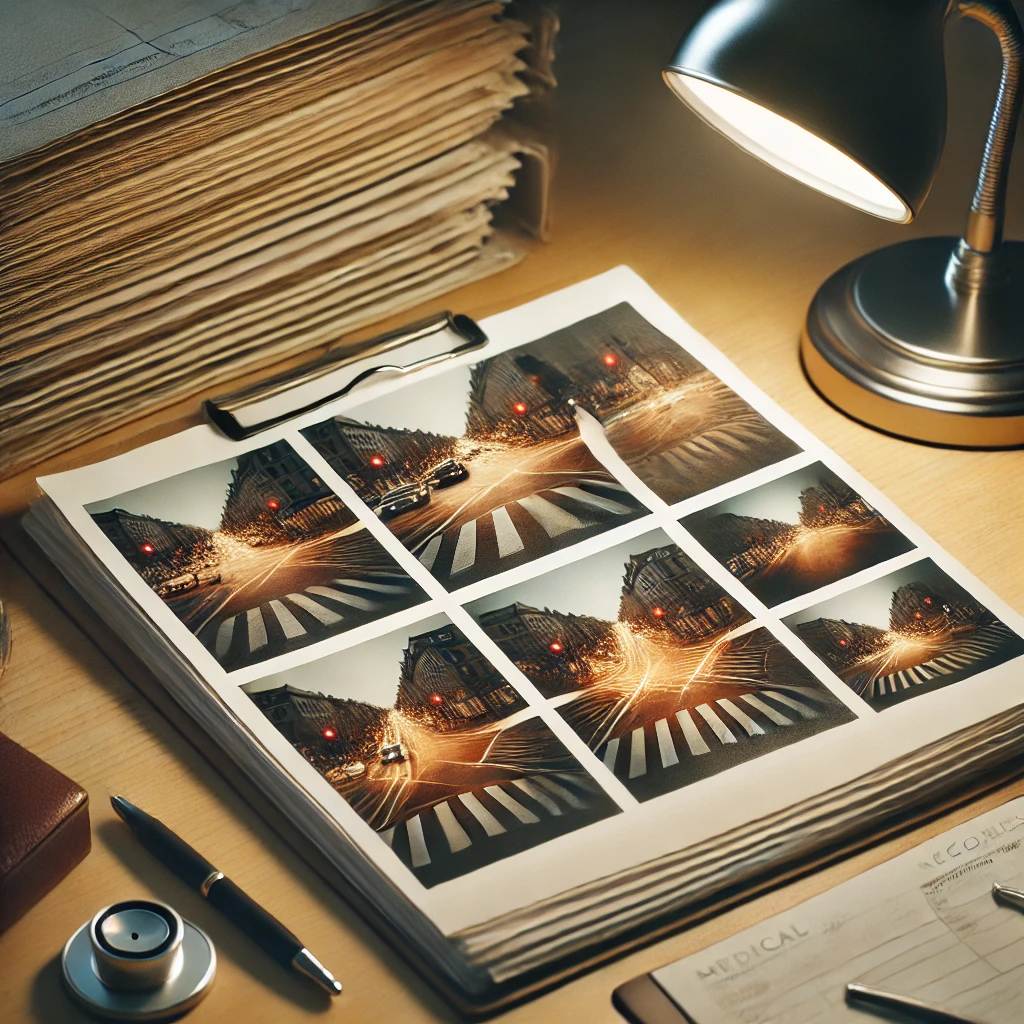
(264, 207)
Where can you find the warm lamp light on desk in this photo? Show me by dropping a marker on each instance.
(925, 338)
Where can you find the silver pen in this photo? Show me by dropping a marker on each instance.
(892, 1006)
(1008, 897)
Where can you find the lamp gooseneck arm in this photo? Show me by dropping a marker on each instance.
(985, 222)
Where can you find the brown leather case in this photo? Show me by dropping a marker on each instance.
(44, 829)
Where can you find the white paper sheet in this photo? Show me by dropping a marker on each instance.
(923, 925)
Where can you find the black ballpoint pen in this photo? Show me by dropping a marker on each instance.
(197, 872)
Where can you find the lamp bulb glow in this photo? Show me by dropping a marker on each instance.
(787, 147)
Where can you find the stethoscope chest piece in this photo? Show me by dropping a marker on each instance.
(138, 960)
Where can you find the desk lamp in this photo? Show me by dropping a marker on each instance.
(924, 339)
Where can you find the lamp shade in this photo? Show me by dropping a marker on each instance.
(848, 96)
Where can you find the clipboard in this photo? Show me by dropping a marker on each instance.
(268, 403)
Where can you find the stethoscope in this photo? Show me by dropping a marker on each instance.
(138, 960)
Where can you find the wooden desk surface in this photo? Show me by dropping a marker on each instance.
(739, 251)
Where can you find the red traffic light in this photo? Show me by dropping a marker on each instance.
(555, 647)
(611, 360)
(842, 643)
(519, 408)
(329, 734)
(436, 698)
(376, 461)
(928, 601)
(658, 613)
(273, 504)
(147, 548)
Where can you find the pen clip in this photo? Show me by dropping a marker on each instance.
(268, 403)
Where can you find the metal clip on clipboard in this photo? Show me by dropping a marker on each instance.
(270, 402)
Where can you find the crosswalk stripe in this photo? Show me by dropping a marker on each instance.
(291, 625)
(611, 485)
(491, 825)
(364, 604)
(766, 709)
(318, 611)
(417, 844)
(539, 796)
(524, 814)
(554, 521)
(610, 753)
(509, 541)
(429, 554)
(605, 504)
(638, 754)
(388, 836)
(453, 831)
(257, 629)
(380, 588)
(721, 730)
(225, 634)
(465, 549)
(567, 795)
(666, 747)
(691, 734)
(751, 727)
(801, 709)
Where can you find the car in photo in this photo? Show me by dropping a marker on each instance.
(346, 772)
(403, 499)
(188, 581)
(393, 753)
(446, 473)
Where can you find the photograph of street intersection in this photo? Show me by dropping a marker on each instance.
(906, 634)
(255, 555)
(433, 748)
(657, 669)
(795, 534)
(478, 469)
(677, 426)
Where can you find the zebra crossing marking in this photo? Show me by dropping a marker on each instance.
(524, 814)
(417, 844)
(554, 521)
(720, 729)
(290, 625)
(505, 532)
(453, 831)
(610, 753)
(746, 722)
(694, 740)
(225, 634)
(257, 629)
(465, 549)
(364, 604)
(766, 709)
(352, 600)
(539, 796)
(666, 747)
(560, 791)
(323, 615)
(490, 823)
(380, 588)
(791, 702)
(608, 485)
(638, 754)
(605, 504)
(429, 554)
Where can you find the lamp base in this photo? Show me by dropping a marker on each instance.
(891, 341)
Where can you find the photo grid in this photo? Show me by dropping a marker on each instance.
(639, 668)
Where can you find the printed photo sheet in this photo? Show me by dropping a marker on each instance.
(525, 621)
